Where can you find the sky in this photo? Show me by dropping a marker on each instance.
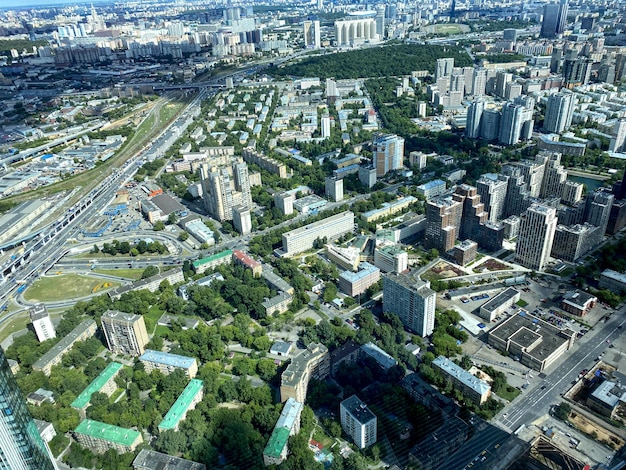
(36, 3)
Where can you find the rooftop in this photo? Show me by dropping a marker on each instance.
(276, 444)
(462, 375)
(168, 359)
(246, 259)
(107, 432)
(431, 184)
(365, 269)
(83, 399)
(380, 356)
(579, 298)
(65, 343)
(289, 415)
(182, 403)
(37, 312)
(212, 258)
(299, 363)
(617, 276)
(609, 393)
(167, 204)
(320, 223)
(151, 460)
(121, 316)
(358, 409)
(500, 299)
(282, 347)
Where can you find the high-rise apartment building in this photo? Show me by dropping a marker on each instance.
(412, 300)
(576, 70)
(511, 124)
(443, 217)
(224, 188)
(125, 333)
(559, 112)
(479, 82)
(598, 209)
(554, 19)
(358, 422)
(21, 446)
(490, 124)
(618, 140)
(492, 189)
(502, 79)
(473, 213)
(474, 116)
(334, 188)
(517, 195)
(533, 172)
(387, 153)
(444, 67)
(325, 125)
(312, 34)
(554, 177)
(242, 219)
(536, 235)
(44, 329)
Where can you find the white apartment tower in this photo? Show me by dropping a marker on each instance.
(242, 219)
(388, 153)
(44, 329)
(492, 190)
(358, 422)
(444, 67)
(474, 116)
(412, 300)
(334, 188)
(224, 188)
(618, 141)
(536, 234)
(312, 34)
(325, 124)
(559, 112)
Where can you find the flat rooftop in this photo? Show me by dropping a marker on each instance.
(212, 258)
(168, 359)
(182, 403)
(107, 432)
(358, 409)
(65, 343)
(479, 386)
(83, 399)
(502, 298)
(152, 460)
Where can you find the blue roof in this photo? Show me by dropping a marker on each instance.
(432, 184)
(289, 414)
(365, 269)
(168, 359)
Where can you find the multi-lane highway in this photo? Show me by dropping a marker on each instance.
(536, 402)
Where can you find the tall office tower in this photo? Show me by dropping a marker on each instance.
(511, 124)
(388, 153)
(573, 242)
(517, 194)
(473, 214)
(325, 124)
(225, 187)
(21, 446)
(312, 34)
(618, 140)
(412, 300)
(334, 188)
(231, 14)
(44, 329)
(533, 172)
(320, 4)
(492, 190)
(550, 22)
(479, 82)
(490, 124)
(125, 333)
(502, 79)
(536, 234)
(380, 21)
(474, 116)
(443, 218)
(242, 219)
(358, 422)
(444, 67)
(598, 209)
(571, 215)
(509, 34)
(559, 112)
(562, 23)
(554, 177)
(576, 70)
(606, 73)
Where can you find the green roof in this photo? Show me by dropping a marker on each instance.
(107, 432)
(83, 399)
(210, 259)
(180, 406)
(276, 444)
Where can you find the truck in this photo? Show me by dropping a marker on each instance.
(21, 288)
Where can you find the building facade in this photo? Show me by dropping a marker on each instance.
(387, 153)
(536, 236)
(313, 362)
(301, 239)
(125, 333)
(412, 300)
(358, 422)
(44, 329)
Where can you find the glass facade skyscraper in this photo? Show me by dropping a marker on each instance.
(21, 446)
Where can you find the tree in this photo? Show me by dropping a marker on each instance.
(149, 272)
(158, 226)
(172, 218)
(562, 411)
(182, 236)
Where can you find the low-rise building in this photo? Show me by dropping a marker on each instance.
(302, 238)
(173, 276)
(40, 396)
(53, 357)
(346, 258)
(578, 302)
(384, 360)
(40, 318)
(100, 437)
(313, 362)
(357, 283)
(432, 189)
(472, 387)
(281, 348)
(212, 261)
(613, 281)
(168, 363)
(358, 422)
(537, 343)
(391, 259)
(186, 401)
(198, 229)
(104, 383)
(388, 208)
(288, 424)
(499, 303)
(244, 259)
(152, 460)
(606, 398)
(465, 252)
(278, 304)
(275, 281)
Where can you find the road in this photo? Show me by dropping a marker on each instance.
(548, 391)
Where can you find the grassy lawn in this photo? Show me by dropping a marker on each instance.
(430, 276)
(134, 274)
(17, 323)
(509, 393)
(448, 29)
(65, 286)
(566, 272)
(521, 303)
(320, 436)
(151, 318)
